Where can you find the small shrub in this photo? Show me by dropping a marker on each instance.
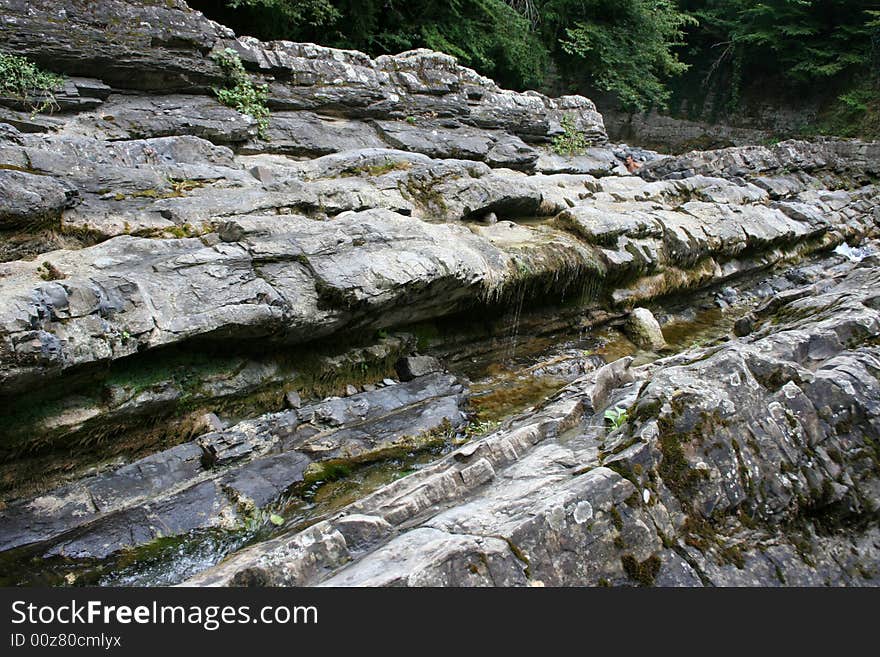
(572, 141)
(49, 272)
(617, 417)
(481, 427)
(240, 92)
(26, 82)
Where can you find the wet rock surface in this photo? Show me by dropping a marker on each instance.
(201, 321)
(224, 476)
(750, 463)
(643, 329)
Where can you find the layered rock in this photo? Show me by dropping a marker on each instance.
(841, 158)
(163, 258)
(162, 47)
(295, 278)
(228, 476)
(751, 463)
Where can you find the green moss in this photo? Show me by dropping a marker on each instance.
(621, 468)
(835, 455)
(746, 520)
(843, 426)
(779, 574)
(176, 188)
(616, 519)
(646, 409)
(519, 554)
(319, 473)
(674, 468)
(426, 334)
(374, 170)
(49, 272)
(187, 230)
(732, 554)
(644, 572)
(698, 532)
(424, 193)
(803, 546)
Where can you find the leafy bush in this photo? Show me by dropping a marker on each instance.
(855, 113)
(26, 82)
(572, 141)
(240, 92)
(296, 12)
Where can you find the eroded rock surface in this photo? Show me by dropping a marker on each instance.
(172, 277)
(751, 463)
(225, 476)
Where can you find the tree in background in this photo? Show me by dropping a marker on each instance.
(622, 46)
(626, 47)
(792, 44)
(802, 40)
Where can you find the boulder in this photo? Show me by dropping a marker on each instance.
(644, 330)
(29, 200)
(410, 367)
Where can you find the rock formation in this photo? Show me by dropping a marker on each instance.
(163, 258)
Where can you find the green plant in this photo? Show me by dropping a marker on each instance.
(253, 518)
(572, 141)
(26, 82)
(49, 272)
(411, 120)
(183, 185)
(481, 427)
(240, 92)
(374, 170)
(617, 417)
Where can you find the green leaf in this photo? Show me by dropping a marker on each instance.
(276, 520)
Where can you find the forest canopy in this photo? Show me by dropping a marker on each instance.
(647, 53)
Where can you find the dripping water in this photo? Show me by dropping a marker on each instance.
(513, 331)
